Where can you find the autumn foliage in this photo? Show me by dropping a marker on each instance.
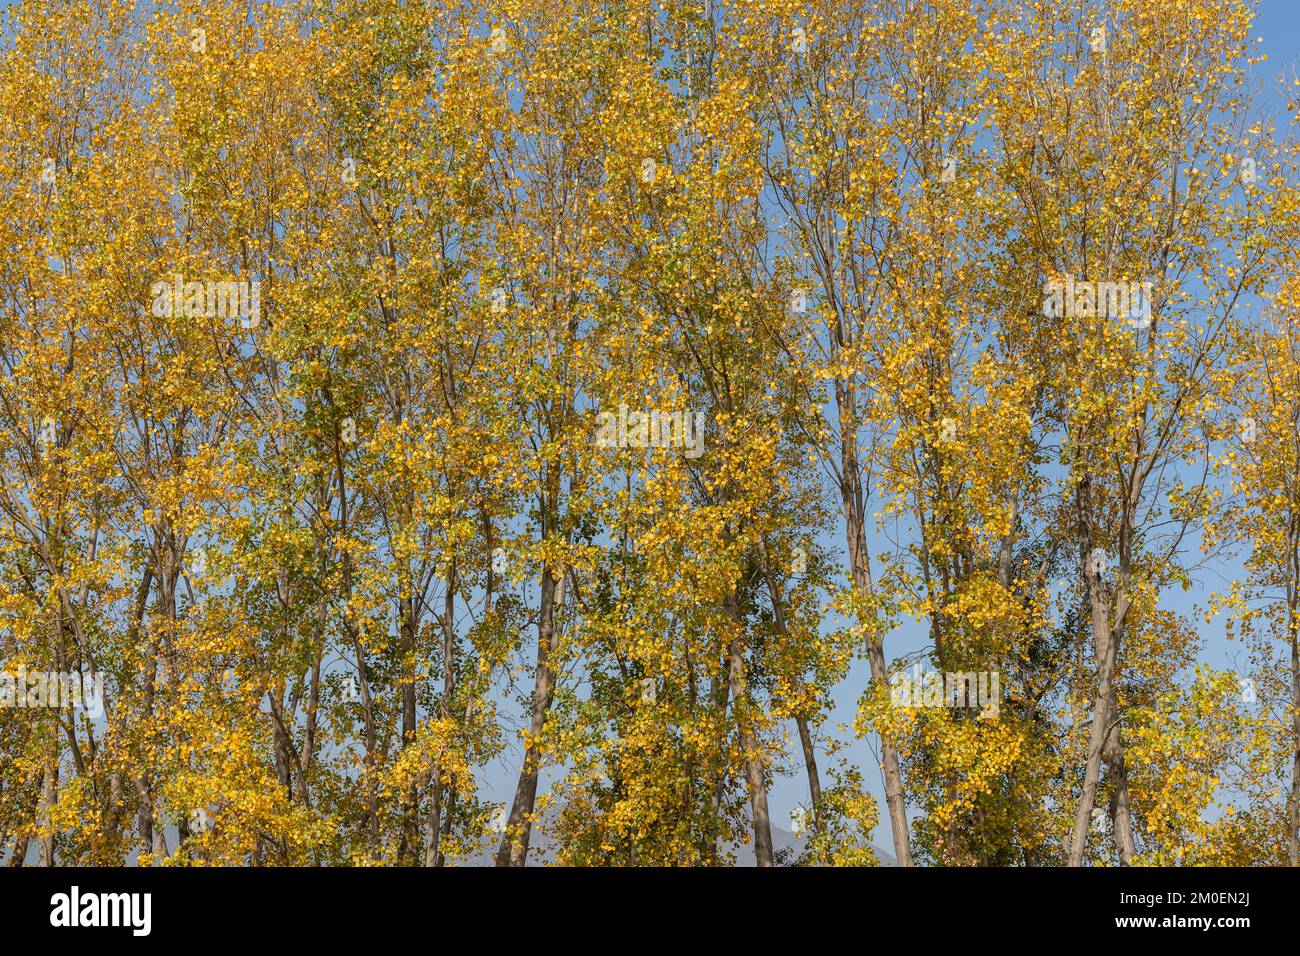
(398, 395)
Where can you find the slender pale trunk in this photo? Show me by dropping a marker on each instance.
(49, 793)
(432, 849)
(143, 782)
(1293, 836)
(1098, 735)
(1105, 741)
(719, 695)
(743, 708)
(1120, 813)
(449, 688)
(409, 726)
(753, 765)
(1101, 734)
(851, 497)
(514, 846)
(805, 734)
(810, 766)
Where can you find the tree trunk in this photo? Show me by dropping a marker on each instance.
(514, 845)
(1293, 837)
(1100, 732)
(1105, 741)
(855, 530)
(1121, 817)
(407, 615)
(805, 736)
(810, 765)
(432, 850)
(749, 745)
(49, 794)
